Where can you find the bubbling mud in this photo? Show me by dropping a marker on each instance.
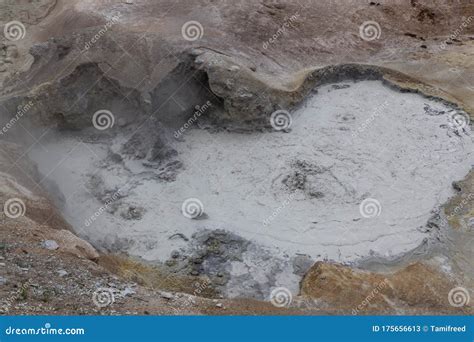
(358, 173)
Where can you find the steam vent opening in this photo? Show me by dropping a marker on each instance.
(355, 174)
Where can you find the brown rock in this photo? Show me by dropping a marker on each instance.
(417, 288)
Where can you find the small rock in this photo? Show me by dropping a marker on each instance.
(197, 52)
(170, 263)
(50, 244)
(2, 264)
(128, 291)
(166, 295)
(3, 280)
(62, 273)
(219, 305)
(133, 213)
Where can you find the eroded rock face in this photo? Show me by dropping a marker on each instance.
(417, 288)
